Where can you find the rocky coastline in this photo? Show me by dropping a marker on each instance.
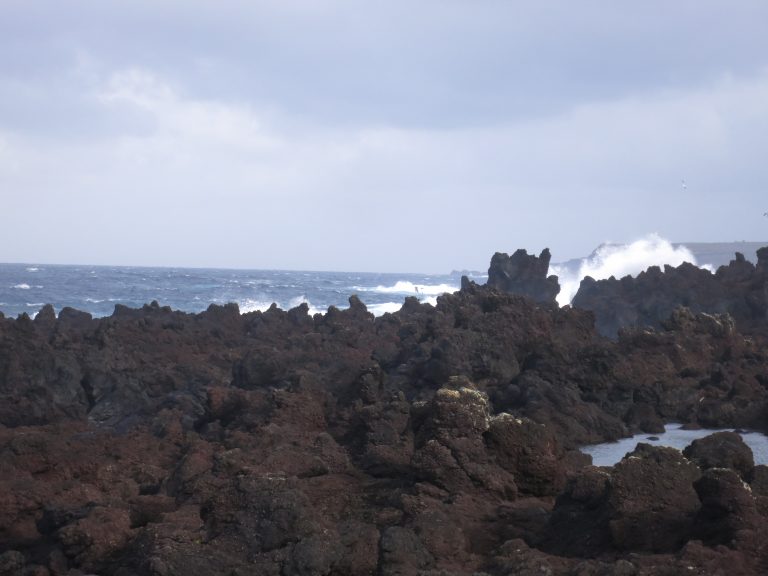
(437, 441)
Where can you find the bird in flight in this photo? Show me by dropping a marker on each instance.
(684, 184)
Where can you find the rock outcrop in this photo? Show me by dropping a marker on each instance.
(524, 274)
(439, 440)
(739, 290)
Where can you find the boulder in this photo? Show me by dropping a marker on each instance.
(721, 450)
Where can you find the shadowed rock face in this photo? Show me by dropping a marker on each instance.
(722, 450)
(524, 274)
(437, 440)
(739, 289)
(645, 503)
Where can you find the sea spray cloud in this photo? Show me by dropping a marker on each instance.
(620, 260)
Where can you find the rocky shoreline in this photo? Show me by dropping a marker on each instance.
(439, 440)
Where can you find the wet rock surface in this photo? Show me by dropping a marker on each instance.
(440, 440)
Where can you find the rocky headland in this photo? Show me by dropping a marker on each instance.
(739, 289)
(438, 440)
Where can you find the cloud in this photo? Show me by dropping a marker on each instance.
(202, 180)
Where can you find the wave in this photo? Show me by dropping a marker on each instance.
(378, 309)
(32, 269)
(94, 300)
(22, 286)
(384, 308)
(619, 260)
(35, 304)
(251, 305)
(406, 287)
(299, 300)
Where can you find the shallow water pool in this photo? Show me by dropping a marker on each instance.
(608, 453)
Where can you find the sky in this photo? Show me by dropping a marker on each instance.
(376, 135)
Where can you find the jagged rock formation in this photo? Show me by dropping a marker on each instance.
(739, 289)
(436, 441)
(524, 274)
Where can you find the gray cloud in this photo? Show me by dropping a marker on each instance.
(375, 136)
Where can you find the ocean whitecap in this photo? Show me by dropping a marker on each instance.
(407, 287)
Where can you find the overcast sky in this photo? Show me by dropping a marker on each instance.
(376, 135)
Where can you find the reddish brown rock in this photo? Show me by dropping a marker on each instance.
(721, 450)
(523, 274)
(438, 440)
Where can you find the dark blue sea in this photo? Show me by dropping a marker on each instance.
(96, 289)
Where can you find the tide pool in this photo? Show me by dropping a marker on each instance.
(609, 453)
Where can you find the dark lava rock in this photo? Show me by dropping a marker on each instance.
(438, 440)
(651, 297)
(728, 507)
(524, 274)
(652, 502)
(645, 503)
(12, 563)
(721, 450)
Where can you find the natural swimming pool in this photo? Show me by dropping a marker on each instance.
(609, 453)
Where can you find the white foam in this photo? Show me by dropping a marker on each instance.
(299, 300)
(94, 300)
(35, 304)
(33, 269)
(384, 308)
(619, 260)
(251, 305)
(21, 286)
(406, 287)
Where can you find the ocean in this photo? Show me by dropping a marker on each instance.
(96, 289)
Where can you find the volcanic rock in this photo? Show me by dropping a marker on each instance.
(728, 508)
(647, 300)
(524, 274)
(647, 503)
(439, 440)
(721, 450)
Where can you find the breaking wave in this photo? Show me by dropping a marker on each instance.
(619, 260)
(384, 308)
(251, 305)
(406, 287)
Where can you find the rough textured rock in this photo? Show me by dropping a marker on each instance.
(728, 509)
(524, 274)
(739, 290)
(646, 503)
(439, 440)
(722, 450)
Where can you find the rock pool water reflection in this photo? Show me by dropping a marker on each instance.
(608, 453)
